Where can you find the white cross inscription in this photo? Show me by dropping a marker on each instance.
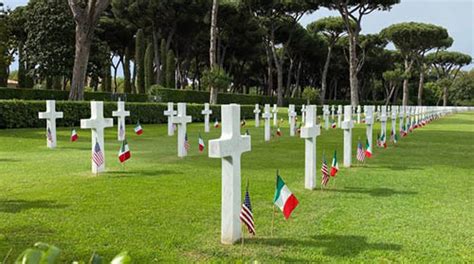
(267, 116)
(309, 132)
(50, 115)
(229, 147)
(206, 112)
(275, 115)
(326, 116)
(121, 114)
(181, 121)
(347, 125)
(292, 119)
(170, 112)
(97, 123)
(257, 115)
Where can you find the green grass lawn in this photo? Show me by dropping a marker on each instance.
(410, 203)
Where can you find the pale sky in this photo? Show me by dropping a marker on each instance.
(457, 16)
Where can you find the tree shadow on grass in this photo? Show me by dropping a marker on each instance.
(9, 160)
(376, 192)
(16, 206)
(140, 173)
(333, 245)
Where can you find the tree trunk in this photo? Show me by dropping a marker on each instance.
(445, 96)
(83, 45)
(406, 94)
(288, 79)
(280, 83)
(127, 87)
(156, 47)
(325, 74)
(212, 47)
(269, 72)
(420, 85)
(353, 63)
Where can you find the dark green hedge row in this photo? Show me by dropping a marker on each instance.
(173, 95)
(39, 94)
(24, 114)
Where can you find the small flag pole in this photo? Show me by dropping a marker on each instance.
(273, 215)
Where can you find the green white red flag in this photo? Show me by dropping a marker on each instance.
(284, 198)
(334, 165)
(124, 152)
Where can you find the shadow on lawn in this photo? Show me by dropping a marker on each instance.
(16, 206)
(141, 173)
(9, 160)
(333, 245)
(376, 192)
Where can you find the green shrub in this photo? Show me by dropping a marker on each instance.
(24, 114)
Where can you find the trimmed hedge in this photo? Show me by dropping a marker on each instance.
(173, 95)
(40, 94)
(24, 114)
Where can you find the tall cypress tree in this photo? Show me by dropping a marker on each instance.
(163, 52)
(149, 76)
(140, 60)
(170, 70)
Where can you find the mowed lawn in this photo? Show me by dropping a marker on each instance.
(410, 203)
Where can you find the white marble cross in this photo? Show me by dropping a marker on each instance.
(275, 115)
(383, 121)
(401, 115)
(50, 115)
(339, 115)
(181, 120)
(206, 112)
(326, 116)
(121, 114)
(333, 110)
(394, 118)
(309, 132)
(292, 118)
(369, 121)
(257, 115)
(347, 125)
(170, 112)
(267, 116)
(377, 112)
(303, 113)
(97, 123)
(359, 110)
(229, 147)
(408, 116)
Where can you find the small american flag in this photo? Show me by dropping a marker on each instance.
(49, 135)
(97, 155)
(360, 152)
(186, 142)
(325, 172)
(246, 215)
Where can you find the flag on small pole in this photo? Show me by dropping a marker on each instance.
(333, 124)
(243, 123)
(284, 198)
(246, 214)
(216, 124)
(124, 152)
(278, 132)
(334, 165)
(324, 172)
(186, 142)
(97, 155)
(368, 149)
(138, 129)
(49, 135)
(74, 135)
(360, 152)
(201, 144)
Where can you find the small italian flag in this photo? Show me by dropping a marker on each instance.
(383, 141)
(368, 149)
(284, 198)
(124, 152)
(334, 165)
(333, 124)
(216, 124)
(201, 144)
(74, 135)
(138, 129)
